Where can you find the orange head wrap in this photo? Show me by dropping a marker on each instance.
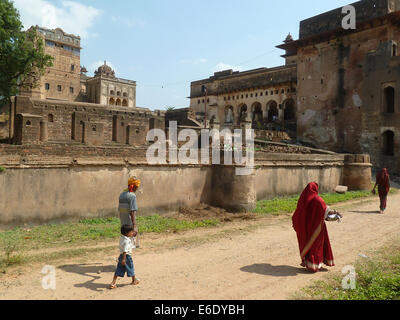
(133, 183)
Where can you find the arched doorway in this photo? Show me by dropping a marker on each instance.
(229, 115)
(273, 113)
(289, 110)
(257, 121)
(242, 113)
(388, 143)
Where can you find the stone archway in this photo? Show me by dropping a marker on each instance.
(118, 102)
(242, 113)
(111, 102)
(273, 112)
(388, 143)
(289, 110)
(229, 115)
(257, 116)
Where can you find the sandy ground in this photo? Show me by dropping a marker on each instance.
(254, 259)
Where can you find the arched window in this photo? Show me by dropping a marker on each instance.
(388, 143)
(112, 92)
(118, 102)
(50, 118)
(124, 103)
(111, 102)
(389, 95)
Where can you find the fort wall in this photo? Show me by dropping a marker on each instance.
(39, 188)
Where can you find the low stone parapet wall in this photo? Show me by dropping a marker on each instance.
(37, 189)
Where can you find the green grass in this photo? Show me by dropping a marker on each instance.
(281, 205)
(53, 235)
(17, 240)
(377, 278)
(2, 169)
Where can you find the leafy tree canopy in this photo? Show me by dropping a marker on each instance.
(22, 56)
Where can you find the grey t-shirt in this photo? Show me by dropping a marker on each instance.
(127, 203)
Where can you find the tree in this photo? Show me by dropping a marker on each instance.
(22, 57)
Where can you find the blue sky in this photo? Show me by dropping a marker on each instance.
(165, 44)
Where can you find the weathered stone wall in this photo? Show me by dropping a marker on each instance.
(4, 125)
(288, 174)
(341, 92)
(66, 120)
(42, 188)
(332, 20)
(66, 192)
(63, 78)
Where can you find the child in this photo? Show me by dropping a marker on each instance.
(125, 262)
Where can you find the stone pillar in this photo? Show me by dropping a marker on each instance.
(281, 113)
(357, 172)
(245, 125)
(235, 193)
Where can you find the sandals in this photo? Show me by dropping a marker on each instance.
(112, 286)
(136, 282)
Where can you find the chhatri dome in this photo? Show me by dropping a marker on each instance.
(105, 71)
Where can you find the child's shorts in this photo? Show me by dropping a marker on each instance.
(128, 268)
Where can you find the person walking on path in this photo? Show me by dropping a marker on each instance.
(125, 262)
(383, 183)
(312, 235)
(128, 207)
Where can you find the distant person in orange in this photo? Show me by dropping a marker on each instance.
(383, 183)
(312, 234)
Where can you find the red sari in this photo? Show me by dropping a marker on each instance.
(312, 234)
(382, 180)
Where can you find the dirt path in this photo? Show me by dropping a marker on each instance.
(251, 260)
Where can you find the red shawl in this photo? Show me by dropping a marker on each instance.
(308, 217)
(382, 179)
(312, 234)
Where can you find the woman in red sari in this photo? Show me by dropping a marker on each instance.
(312, 234)
(383, 182)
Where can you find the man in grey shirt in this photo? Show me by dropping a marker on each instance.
(127, 206)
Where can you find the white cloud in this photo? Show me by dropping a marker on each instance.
(72, 17)
(93, 67)
(222, 66)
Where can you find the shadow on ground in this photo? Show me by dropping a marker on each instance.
(92, 271)
(276, 271)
